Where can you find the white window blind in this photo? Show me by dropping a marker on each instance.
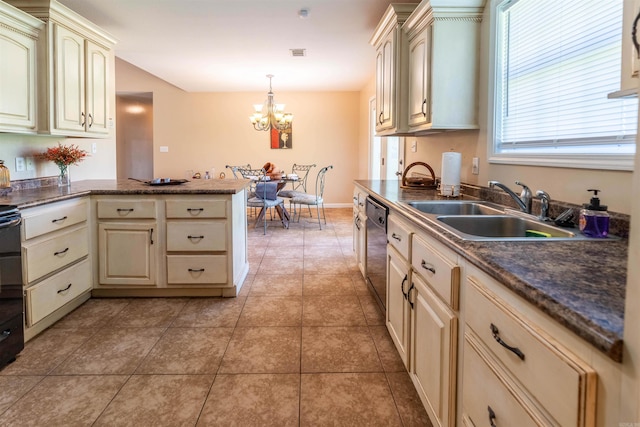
(557, 61)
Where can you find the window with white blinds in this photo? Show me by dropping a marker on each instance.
(556, 61)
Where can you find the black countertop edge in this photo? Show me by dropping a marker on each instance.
(581, 290)
(43, 195)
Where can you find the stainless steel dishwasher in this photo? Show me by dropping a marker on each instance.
(376, 261)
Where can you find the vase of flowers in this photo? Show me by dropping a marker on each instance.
(64, 156)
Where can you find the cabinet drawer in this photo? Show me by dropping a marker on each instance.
(483, 389)
(196, 236)
(196, 269)
(439, 270)
(53, 217)
(399, 236)
(54, 292)
(47, 255)
(562, 383)
(196, 208)
(126, 209)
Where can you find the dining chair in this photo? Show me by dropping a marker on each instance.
(266, 197)
(299, 187)
(314, 199)
(254, 175)
(234, 169)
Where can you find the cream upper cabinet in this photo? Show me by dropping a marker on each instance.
(443, 64)
(391, 76)
(75, 59)
(630, 67)
(18, 40)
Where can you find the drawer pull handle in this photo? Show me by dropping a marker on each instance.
(151, 236)
(196, 270)
(124, 210)
(59, 219)
(496, 335)
(195, 237)
(409, 295)
(64, 251)
(428, 268)
(5, 334)
(406, 294)
(395, 236)
(65, 289)
(195, 209)
(492, 417)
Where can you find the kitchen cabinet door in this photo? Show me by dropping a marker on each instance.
(18, 38)
(97, 92)
(127, 253)
(434, 335)
(419, 78)
(69, 79)
(398, 311)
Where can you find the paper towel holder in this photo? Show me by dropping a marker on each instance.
(419, 182)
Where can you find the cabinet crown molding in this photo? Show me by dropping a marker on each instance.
(395, 15)
(15, 20)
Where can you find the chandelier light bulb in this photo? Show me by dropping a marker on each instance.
(270, 115)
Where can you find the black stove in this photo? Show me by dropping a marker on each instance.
(11, 293)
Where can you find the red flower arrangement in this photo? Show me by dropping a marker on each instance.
(64, 155)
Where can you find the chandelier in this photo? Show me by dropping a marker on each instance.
(270, 115)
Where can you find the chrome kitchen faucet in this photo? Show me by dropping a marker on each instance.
(523, 201)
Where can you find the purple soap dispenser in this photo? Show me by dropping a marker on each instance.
(594, 219)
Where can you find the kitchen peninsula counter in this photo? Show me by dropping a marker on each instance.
(580, 284)
(43, 195)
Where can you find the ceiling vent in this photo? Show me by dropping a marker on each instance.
(298, 52)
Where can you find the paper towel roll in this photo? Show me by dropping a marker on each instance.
(450, 181)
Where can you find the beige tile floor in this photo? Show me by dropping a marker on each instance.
(303, 344)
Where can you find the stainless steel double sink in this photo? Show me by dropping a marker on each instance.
(479, 220)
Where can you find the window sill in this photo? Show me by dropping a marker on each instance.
(576, 161)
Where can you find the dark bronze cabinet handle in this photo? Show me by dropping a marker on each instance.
(409, 295)
(195, 209)
(496, 336)
(380, 117)
(65, 289)
(492, 417)
(424, 265)
(422, 107)
(64, 251)
(90, 120)
(58, 219)
(195, 237)
(196, 270)
(634, 38)
(83, 121)
(406, 294)
(151, 236)
(124, 210)
(395, 236)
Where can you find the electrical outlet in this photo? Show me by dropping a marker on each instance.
(475, 166)
(31, 164)
(94, 147)
(414, 146)
(164, 149)
(20, 165)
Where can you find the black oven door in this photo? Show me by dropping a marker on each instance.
(376, 262)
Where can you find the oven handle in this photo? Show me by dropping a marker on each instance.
(13, 223)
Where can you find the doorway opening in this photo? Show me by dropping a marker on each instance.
(134, 135)
(386, 154)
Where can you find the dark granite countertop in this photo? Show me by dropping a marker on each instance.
(581, 283)
(42, 195)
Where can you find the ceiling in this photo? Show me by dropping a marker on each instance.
(231, 45)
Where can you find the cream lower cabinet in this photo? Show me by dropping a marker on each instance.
(56, 266)
(127, 253)
(18, 39)
(128, 241)
(533, 379)
(433, 295)
(171, 245)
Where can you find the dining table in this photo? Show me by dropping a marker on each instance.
(281, 210)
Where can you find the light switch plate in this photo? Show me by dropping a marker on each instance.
(31, 164)
(164, 149)
(414, 146)
(20, 164)
(475, 166)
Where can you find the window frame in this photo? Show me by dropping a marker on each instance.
(622, 162)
